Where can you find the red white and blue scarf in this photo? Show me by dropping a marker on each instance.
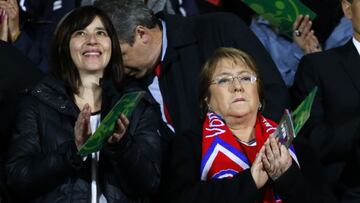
(223, 156)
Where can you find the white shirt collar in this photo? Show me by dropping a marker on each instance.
(357, 44)
(164, 40)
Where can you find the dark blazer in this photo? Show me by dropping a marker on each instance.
(191, 41)
(335, 117)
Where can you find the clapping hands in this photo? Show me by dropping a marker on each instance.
(82, 128)
(276, 159)
(272, 161)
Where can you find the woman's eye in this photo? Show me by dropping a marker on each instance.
(223, 81)
(79, 33)
(101, 33)
(245, 78)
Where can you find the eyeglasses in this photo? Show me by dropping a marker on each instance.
(244, 79)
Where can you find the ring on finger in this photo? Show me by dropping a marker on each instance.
(297, 33)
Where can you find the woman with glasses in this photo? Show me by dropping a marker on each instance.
(236, 158)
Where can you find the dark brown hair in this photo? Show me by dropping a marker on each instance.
(62, 65)
(210, 66)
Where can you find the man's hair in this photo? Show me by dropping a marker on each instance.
(126, 15)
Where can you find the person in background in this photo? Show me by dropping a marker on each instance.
(236, 158)
(17, 76)
(333, 128)
(287, 53)
(65, 108)
(160, 6)
(30, 26)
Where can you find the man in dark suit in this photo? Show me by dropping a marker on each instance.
(333, 128)
(182, 45)
(17, 75)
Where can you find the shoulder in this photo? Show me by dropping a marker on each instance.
(327, 54)
(211, 19)
(217, 17)
(320, 61)
(331, 55)
(49, 88)
(134, 85)
(223, 20)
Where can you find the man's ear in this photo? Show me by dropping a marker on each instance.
(142, 33)
(346, 6)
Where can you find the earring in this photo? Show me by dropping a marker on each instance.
(260, 107)
(209, 107)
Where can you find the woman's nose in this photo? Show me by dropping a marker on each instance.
(236, 85)
(92, 39)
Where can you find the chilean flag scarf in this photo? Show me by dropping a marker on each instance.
(223, 156)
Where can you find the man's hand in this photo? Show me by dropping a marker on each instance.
(304, 36)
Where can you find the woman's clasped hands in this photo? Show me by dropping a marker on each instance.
(272, 161)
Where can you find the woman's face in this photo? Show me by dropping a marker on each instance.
(234, 91)
(90, 48)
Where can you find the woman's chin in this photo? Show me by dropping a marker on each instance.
(242, 113)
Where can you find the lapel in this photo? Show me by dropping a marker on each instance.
(178, 35)
(350, 60)
(180, 40)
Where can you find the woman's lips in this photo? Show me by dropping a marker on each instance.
(239, 100)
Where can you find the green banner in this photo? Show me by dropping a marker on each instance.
(302, 112)
(280, 13)
(125, 105)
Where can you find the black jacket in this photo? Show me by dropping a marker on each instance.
(42, 164)
(334, 126)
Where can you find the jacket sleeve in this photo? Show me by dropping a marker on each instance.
(136, 159)
(30, 171)
(182, 181)
(237, 34)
